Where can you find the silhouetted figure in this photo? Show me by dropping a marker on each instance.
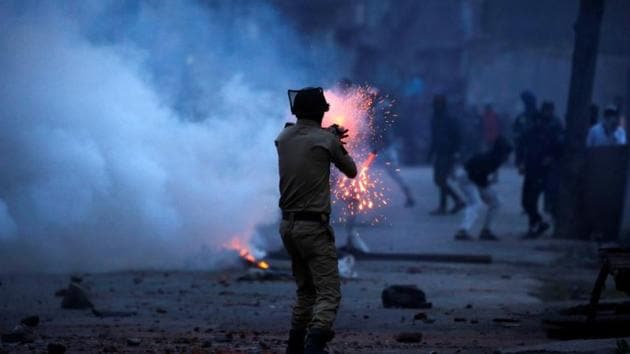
(593, 114)
(384, 143)
(444, 150)
(522, 124)
(471, 132)
(475, 182)
(609, 131)
(539, 149)
(305, 152)
(491, 127)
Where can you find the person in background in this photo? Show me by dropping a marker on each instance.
(445, 144)
(593, 114)
(476, 185)
(491, 127)
(521, 125)
(524, 120)
(609, 131)
(384, 143)
(539, 149)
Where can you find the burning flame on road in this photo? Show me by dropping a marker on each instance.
(353, 109)
(245, 253)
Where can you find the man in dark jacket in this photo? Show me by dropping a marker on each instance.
(474, 182)
(445, 141)
(539, 149)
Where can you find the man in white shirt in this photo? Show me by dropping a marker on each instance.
(608, 132)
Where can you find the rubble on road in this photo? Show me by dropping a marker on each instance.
(76, 298)
(56, 348)
(20, 334)
(404, 296)
(256, 274)
(409, 337)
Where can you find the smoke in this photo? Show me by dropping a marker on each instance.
(140, 134)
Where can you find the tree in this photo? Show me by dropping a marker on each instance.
(587, 29)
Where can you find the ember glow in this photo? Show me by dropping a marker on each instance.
(246, 254)
(353, 109)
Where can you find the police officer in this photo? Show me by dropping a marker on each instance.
(305, 151)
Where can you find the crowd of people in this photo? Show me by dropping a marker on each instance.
(465, 179)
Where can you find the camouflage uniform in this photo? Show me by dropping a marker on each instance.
(305, 152)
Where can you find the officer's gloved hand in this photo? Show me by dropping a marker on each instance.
(339, 131)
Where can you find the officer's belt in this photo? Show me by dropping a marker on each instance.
(305, 216)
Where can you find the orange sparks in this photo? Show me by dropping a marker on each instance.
(353, 109)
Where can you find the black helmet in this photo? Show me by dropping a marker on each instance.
(309, 100)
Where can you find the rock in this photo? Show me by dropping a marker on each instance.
(160, 310)
(108, 313)
(30, 321)
(404, 296)
(76, 279)
(409, 337)
(133, 342)
(76, 298)
(137, 280)
(61, 292)
(228, 338)
(19, 334)
(459, 319)
(110, 349)
(56, 348)
(420, 316)
(206, 344)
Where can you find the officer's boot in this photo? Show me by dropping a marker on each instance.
(296, 341)
(316, 341)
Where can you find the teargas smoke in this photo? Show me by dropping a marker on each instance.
(130, 132)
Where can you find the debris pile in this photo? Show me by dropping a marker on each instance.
(404, 296)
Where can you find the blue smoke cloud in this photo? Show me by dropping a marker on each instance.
(140, 134)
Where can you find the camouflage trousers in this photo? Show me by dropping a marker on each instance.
(311, 246)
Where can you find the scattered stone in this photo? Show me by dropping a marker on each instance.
(227, 338)
(107, 313)
(56, 348)
(76, 279)
(76, 298)
(61, 292)
(133, 342)
(255, 274)
(459, 319)
(19, 334)
(414, 270)
(137, 280)
(30, 321)
(420, 316)
(206, 344)
(469, 306)
(160, 310)
(110, 349)
(409, 337)
(505, 320)
(404, 296)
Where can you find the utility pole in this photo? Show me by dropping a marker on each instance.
(587, 29)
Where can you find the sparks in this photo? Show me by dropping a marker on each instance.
(353, 109)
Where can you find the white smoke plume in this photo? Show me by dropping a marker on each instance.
(139, 134)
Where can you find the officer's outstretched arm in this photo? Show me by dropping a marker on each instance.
(342, 160)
